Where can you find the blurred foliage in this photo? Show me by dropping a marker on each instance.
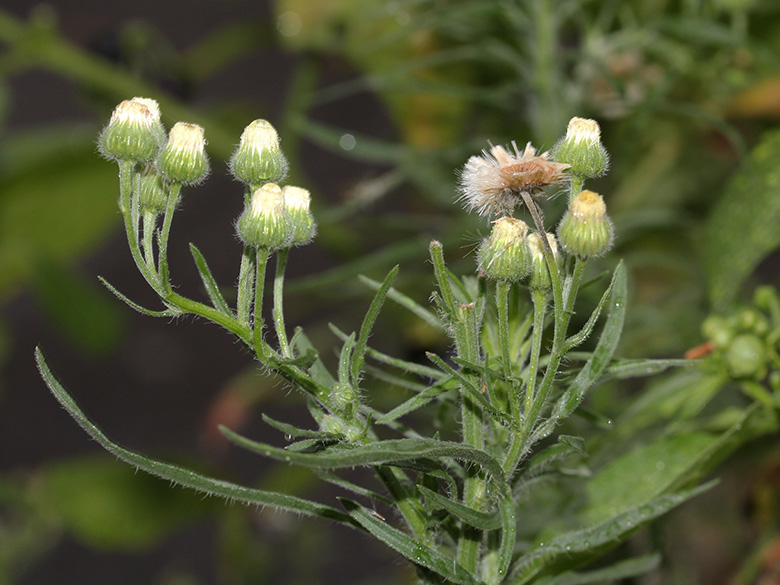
(683, 91)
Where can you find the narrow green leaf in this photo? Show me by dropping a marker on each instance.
(400, 452)
(472, 517)
(212, 288)
(345, 359)
(587, 329)
(621, 369)
(626, 569)
(742, 228)
(317, 370)
(171, 312)
(573, 548)
(599, 359)
(410, 548)
(419, 369)
(334, 479)
(294, 431)
(359, 355)
(406, 302)
(415, 402)
(180, 475)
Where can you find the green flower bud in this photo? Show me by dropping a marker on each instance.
(504, 255)
(585, 229)
(718, 330)
(152, 193)
(258, 159)
(264, 223)
(332, 424)
(134, 132)
(296, 204)
(343, 399)
(746, 357)
(539, 276)
(582, 149)
(183, 158)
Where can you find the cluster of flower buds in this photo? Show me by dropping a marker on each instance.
(274, 217)
(746, 343)
(499, 180)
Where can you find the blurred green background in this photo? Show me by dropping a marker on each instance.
(377, 103)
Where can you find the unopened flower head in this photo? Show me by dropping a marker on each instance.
(585, 229)
(539, 276)
(152, 193)
(491, 184)
(183, 159)
(134, 132)
(504, 255)
(264, 222)
(581, 148)
(296, 204)
(258, 158)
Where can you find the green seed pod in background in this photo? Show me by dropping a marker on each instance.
(585, 229)
(258, 158)
(581, 148)
(504, 255)
(746, 357)
(718, 330)
(134, 131)
(264, 222)
(183, 158)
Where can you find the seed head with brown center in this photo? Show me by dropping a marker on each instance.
(491, 184)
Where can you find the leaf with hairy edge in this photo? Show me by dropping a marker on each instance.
(415, 551)
(587, 329)
(415, 402)
(359, 354)
(599, 359)
(181, 475)
(472, 517)
(391, 452)
(406, 303)
(317, 370)
(212, 288)
(294, 431)
(569, 550)
(742, 228)
(634, 567)
(136, 307)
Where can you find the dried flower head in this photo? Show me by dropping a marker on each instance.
(491, 184)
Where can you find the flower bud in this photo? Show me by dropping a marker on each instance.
(746, 357)
(539, 277)
(134, 132)
(343, 399)
(152, 193)
(582, 149)
(264, 223)
(258, 159)
(183, 158)
(504, 255)
(296, 204)
(332, 424)
(585, 229)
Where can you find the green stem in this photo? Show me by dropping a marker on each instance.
(539, 297)
(149, 223)
(503, 289)
(562, 317)
(246, 285)
(128, 205)
(576, 186)
(278, 310)
(162, 242)
(261, 260)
